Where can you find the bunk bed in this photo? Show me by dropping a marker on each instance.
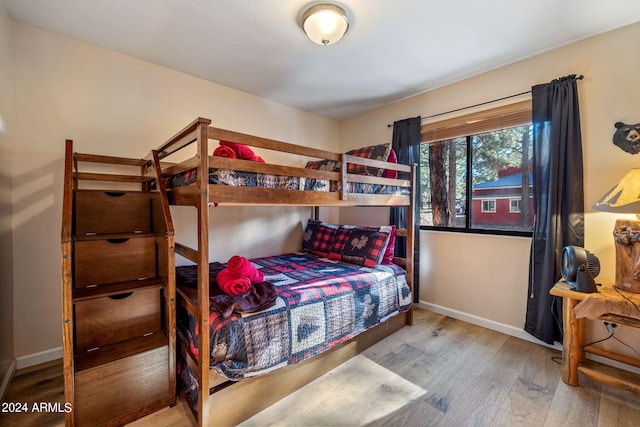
(329, 179)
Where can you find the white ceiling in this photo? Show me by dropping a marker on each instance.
(394, 48)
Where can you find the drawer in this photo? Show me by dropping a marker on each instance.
(108, 212)
(112, 319)
(114, 260)
(126, 388)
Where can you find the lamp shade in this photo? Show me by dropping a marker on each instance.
(325, 23)
(624, 197)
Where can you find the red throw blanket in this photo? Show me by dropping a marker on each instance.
(232, 285)
(242, 151)
(223, 151)
(238, 277)
(241, 267)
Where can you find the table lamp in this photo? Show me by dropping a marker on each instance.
(624, 197)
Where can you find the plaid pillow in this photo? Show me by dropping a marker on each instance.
(360, 245)
(318, 237)
(375, 152)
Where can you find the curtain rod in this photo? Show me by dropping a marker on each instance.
(580, 77)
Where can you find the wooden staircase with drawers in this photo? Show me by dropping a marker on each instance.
(118, 290)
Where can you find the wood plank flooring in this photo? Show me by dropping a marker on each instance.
(438, 372)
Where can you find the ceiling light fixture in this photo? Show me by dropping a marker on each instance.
(325, 23)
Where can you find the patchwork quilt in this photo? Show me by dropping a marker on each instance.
(253, 179)
(320, 304)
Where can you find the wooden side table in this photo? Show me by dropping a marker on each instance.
(573, 346)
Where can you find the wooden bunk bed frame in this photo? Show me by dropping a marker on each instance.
(229, 403)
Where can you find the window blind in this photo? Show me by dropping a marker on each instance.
(505, 116)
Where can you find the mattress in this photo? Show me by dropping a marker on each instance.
(320, 304)
(253, 179)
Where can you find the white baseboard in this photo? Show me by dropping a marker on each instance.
(486, 323)
(37, 358)
(6, 378)
(514, 332)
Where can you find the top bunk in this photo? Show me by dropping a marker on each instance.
(235, 175)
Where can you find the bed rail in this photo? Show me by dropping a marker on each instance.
(270, 144)
(181, 139)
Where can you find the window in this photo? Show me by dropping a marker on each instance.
(489, 205)
(515, 205)
(475, 172)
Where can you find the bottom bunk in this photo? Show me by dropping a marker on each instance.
(306, 315)
(232, 405)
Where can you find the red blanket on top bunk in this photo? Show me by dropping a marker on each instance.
(320, 304)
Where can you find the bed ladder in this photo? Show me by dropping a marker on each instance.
(118, 286)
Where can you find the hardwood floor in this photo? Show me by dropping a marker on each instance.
(438, 372)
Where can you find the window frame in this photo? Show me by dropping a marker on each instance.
(518, 201)
(501, 117)
(493, 204)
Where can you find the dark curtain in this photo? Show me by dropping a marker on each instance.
(406, 144)
(558, 199)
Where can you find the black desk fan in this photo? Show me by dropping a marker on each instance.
(579, 268)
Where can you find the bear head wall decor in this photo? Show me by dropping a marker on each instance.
(627, 137)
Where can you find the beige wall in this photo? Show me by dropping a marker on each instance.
(110, 103)
(486, 276)
(113, 104)
(6, 252)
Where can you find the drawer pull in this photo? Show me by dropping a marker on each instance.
(121, 296)
(114, 193)
(118, 241)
